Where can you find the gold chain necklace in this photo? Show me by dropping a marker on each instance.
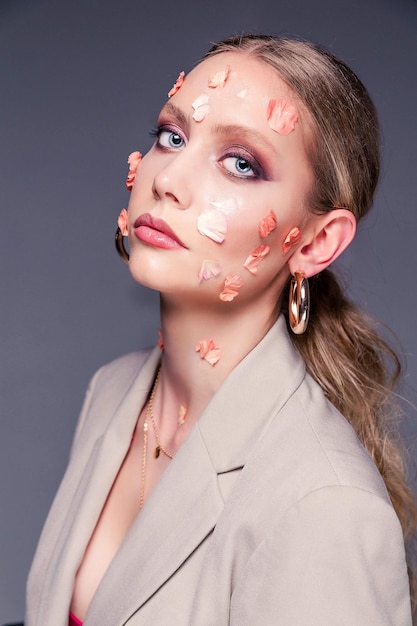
(159, 448)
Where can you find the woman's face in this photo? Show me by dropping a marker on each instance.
(227, 177)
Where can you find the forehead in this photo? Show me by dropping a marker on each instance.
(238, 89)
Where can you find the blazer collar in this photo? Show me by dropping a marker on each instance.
(162, 537)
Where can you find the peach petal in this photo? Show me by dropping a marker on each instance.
(160, 339)
(218, 79)
(232, 286)
(209, 269)
(133, 160)
(282, 116)
(255, 258)
(292, 239)
(122, 222)
(182, 414)
(177, 85)
(267, 224)
(208, 351)
(242, 94)
(212, 224)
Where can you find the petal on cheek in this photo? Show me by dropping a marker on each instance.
(209, 269)
(177, 85)
(231, 288)
(208, 351)
(267, 224)
(218, 79)
(212, 224)
(292, 239)
(282, 116)
(133, 160)
(242, 94)
(255, 258)
(122, 222)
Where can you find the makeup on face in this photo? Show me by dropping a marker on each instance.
(156, 232)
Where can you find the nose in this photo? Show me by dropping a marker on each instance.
(172, 184)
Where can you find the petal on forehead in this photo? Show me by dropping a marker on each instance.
(201, 113)
(218, 79)
(202, 99)
(282, 116)
(177, 85)
(212, 224)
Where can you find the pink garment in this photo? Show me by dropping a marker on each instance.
(74, 621)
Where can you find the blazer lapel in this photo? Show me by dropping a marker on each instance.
(77, 507)
(184, 507)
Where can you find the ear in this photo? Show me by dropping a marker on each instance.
(328, 236)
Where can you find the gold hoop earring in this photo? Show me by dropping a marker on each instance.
(120, 247)
(299, 303)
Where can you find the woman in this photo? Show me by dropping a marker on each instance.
(213, 480)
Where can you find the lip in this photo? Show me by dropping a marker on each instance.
(156, 232)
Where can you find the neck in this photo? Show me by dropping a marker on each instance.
(186, 378)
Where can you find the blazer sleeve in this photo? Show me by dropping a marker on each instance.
(336, 558)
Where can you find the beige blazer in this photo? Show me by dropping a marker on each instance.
(270, 513)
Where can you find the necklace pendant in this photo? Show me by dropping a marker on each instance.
(157, 452)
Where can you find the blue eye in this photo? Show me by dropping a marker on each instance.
(239, 166)
(170, 139)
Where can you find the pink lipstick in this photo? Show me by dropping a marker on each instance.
(156, 232)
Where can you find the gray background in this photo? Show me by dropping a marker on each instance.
(81, 82)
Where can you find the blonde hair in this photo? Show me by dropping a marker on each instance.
(342, 350)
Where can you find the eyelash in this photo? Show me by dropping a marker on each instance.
(258, 171)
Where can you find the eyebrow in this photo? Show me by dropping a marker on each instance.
(224, 130)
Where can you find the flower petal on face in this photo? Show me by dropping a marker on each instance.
(177, 85)
(242, 94)
(231, 288)
(208, 351)
(292, 239)
(122, 222)
(226, 206)
(160, 339)
(201, 107)
(255, 258)
(209, 269)
(218, 79)
(282, 116)
(182, 414)
(134, 160)
(200, 113)
(212, 224)
(267, 224)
